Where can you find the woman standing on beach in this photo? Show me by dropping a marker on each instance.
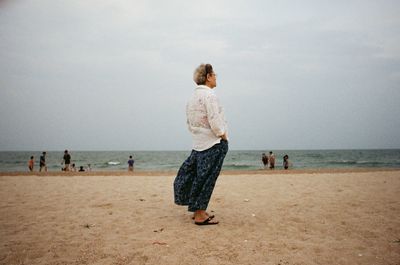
(196, 178)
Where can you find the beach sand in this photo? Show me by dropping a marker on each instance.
(279, 217)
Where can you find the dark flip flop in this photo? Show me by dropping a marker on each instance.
(208, 221)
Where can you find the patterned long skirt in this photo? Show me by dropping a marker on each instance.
(195, 182)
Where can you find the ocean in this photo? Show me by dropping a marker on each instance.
(11, 161)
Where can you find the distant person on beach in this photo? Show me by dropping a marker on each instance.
(264, 159)
(42, 162)
(66, 160)
(271, 159)
(89, 167)
(130, 163)
(81, 169)
(73, 168)
(285, 161)
(196, 178)
(31, 163)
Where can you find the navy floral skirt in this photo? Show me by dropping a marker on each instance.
(195, 182)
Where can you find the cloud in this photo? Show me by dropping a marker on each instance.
(290, 75)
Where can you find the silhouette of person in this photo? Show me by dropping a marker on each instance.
(42, 162)
(130, 163)
(271, 159)
(285, 161)
(264, 159)
(67, 160)
(31, 163)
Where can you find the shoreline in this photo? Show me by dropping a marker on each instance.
(223, 172)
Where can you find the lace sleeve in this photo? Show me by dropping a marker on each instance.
(215, 115)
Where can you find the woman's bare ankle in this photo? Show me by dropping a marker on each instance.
(200, 215)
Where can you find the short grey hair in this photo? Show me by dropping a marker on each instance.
(200, 74)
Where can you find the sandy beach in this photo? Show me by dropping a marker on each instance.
(266, 217)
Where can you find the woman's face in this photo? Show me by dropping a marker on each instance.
(211, 80)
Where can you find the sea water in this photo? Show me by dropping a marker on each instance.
(235, 159)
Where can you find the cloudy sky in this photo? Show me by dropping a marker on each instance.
(116, 75)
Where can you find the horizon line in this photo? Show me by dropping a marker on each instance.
(184, 150)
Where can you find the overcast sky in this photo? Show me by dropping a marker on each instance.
(116, 75)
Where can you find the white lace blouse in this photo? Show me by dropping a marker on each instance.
(205, 118)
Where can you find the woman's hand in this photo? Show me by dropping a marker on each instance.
(223, 137)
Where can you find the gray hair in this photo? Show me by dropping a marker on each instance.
(200, 74)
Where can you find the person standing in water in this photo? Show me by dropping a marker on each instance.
(43, 162)
(130, 163)
(66, 160)
(271, 160)
(31, 163)
(264, 160)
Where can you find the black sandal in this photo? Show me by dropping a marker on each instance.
(208, 221)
